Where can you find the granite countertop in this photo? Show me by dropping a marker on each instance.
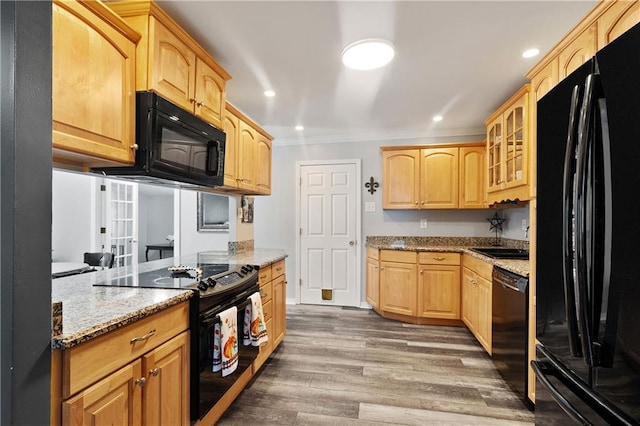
(454, 244)
(89, 311)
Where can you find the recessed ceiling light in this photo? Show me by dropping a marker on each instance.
(269, 93)
(530, 53)
(299, 128)
(367, 54)
(437, 118)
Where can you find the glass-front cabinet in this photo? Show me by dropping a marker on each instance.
(507, 150)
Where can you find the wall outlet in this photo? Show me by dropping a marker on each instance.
(370, 206)
(524, 224)
(423, 223)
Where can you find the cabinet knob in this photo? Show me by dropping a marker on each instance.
(134, 147)
(382, 268)
(141, 382)
(154, 372)
(416, 203)
(199, 103)
(192, 100)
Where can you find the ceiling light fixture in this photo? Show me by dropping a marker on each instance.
(299, 128)
(437, 118)
(530, 53)
(367, 54)
(269, 93)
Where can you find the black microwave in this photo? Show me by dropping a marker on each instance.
(175, 147)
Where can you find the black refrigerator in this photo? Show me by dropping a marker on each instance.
(588, 245)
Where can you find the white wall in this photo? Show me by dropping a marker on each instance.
(275, 216)
(192, 241)
(155, 213)
(72, 216)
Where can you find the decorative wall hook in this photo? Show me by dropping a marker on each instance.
(372, 185)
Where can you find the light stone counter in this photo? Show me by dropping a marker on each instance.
(89, 311)
(456, 245)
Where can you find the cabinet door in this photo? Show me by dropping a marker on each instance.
(279, 310)
(166, 393)
(439, 178)
(209, 94)
(172, 67)
(576, 53)
(618, 18)
(483, 324)
(398, 288)
(231, 128)
(439, 291)
(114, 400)
(494, 155)
(373, 282)
(469, 299)
(514, 143)
(400, 179)
(246, 157)
(471, 185)
(263, 164)
(93, 89)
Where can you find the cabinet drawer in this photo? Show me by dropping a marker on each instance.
(398, 256)
(277, 268)
(478, 266)
(264, 275)
(88, 362)
(267, 309)
(438, 258)
(265, 292)
(373, 253)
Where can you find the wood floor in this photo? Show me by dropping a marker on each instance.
(345, 366)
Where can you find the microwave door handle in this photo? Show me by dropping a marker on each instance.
(583, 250)
(568, 223)
(215, 157)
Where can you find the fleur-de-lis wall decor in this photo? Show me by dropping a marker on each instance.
(371, 185)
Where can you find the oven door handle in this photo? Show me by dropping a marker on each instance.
(212, 316)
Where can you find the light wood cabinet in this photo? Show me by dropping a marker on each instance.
(273, 292)
(173, 64)
(439, 285)
(508, 149)
(138, 374)
(398, 282)
(476, 299)
(93, 86)
(577, 52)
(433, 177)
(373, 278)
(247, 155)
(618, 18)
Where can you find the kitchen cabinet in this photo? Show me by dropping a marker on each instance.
(476, 299)
(507, 149)
(615, 20)
(433, 177)
(93, 86)
(439, 285)
(171, 63)
(273, 292)
(373, 278)
(247, 155)
(398, 282)
(577, 52)
(137, 374)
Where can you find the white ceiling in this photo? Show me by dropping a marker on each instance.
(460, 59)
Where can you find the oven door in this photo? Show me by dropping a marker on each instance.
(212, 386)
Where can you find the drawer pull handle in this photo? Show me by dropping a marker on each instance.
(141, 382)
(154, 372)
(143, 338)
(438, 258)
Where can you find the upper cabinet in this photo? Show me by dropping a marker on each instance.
(507, 150)
(174, 65)
(247, 155)
(93, 93)
(433, 177)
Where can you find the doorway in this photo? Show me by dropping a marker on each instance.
(328, 243)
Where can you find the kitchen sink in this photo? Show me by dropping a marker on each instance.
(502, 252)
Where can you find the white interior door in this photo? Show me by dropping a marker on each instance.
(329, 233)
(122, 222)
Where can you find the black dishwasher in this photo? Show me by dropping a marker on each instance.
(510, 318)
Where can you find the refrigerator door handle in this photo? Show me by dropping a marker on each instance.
(568, 210)
(538, 369)
(583, 250)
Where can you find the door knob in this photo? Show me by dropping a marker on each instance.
(352, 243)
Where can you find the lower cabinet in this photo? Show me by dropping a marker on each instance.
(398, 284)
(138, 374)
(439, 285)
(273, 292)
(373, 277)
(476, 299)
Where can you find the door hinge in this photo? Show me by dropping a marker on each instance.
(300, 231)
(300, 280)
(103, 188)
(300, 181)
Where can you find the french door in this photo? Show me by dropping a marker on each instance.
(122, 221)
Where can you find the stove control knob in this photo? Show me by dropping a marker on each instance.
(202, 286)
(245, 269)
(211, 282)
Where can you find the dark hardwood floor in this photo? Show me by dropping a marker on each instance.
(346, 366)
